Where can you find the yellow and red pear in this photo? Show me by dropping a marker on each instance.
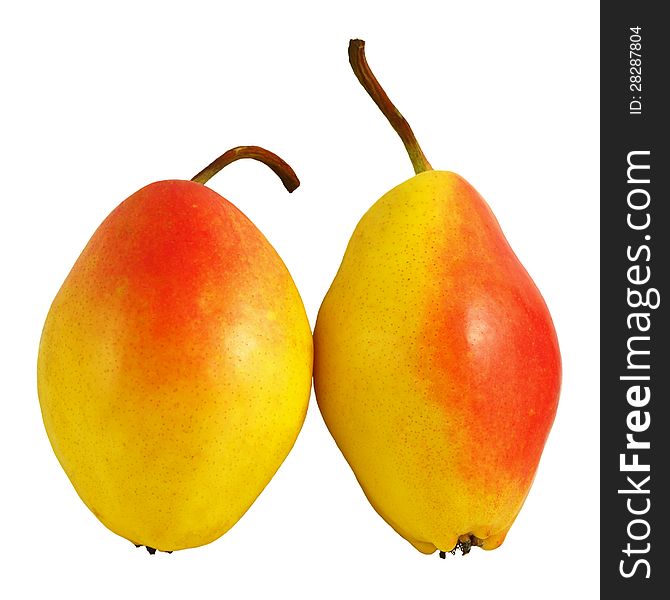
(437, 368)
(175, 363)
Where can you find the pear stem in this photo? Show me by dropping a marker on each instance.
(280, 167)
(365, 75)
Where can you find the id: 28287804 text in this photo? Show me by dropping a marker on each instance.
(635, 58)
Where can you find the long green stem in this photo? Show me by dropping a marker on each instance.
(365, 75)
(280, 167)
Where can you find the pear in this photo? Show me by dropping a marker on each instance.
(175, 363)
(437, 367)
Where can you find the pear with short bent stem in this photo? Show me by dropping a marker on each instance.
(175, 363)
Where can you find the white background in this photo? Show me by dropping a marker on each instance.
(97, 102)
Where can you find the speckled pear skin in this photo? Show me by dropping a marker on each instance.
(174, 367)
(437, 367)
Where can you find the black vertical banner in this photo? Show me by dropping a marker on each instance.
(635, 268)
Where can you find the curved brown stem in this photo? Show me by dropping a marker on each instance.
(280, 167)
(365, 75)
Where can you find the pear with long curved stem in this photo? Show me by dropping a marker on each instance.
(175, 364)
(437, 368)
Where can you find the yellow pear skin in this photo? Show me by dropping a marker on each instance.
(437, 368)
